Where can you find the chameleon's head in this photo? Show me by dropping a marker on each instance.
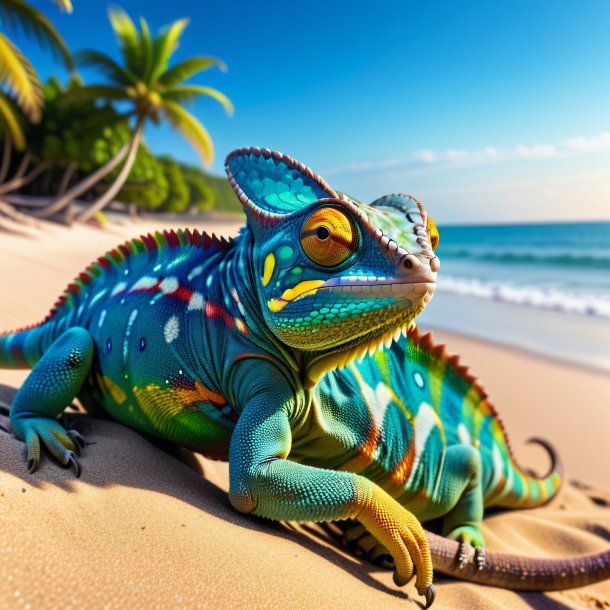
(333, 274)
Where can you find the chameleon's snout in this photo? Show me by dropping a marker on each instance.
(417, 269)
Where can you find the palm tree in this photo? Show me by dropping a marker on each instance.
(20, 85)
(153, 90)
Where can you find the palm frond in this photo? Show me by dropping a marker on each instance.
(188, 93)
(187, 68)
(146, 45)
(164, 46)
(106, 65)
(17, 13)
(128, 37)
(18, 74)
(64, 5)
(190, 129)
(9, 123)
(90, 93)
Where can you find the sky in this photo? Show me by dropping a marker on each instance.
(485, 111)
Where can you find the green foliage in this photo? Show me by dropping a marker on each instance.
(177, 199)
(201, 194)
(147, 185)
(87, 135)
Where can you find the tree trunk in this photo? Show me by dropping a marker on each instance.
(6, 159)
(86, 184)
(18, 182)
(52, 209)
(65, 179)
(120, 180)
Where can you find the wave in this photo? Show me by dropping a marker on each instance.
(533, 296)
(528, 257)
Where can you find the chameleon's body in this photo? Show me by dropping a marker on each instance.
(233, 348)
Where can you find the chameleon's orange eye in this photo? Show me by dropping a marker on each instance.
(329, 237)
(433, 234)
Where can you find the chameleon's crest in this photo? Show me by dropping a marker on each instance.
(271, 185)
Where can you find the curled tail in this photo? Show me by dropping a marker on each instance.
(510, 486)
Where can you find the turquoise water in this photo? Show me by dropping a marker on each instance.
(544, 288)
(565, 267)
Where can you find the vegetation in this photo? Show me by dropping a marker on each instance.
(70, 150)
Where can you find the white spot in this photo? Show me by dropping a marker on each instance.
(196, 302)
(98, 296)
(464, 435)
(180, 372)
(144, 283)
(419, 380)
(194, 272)
(169, 285)
(208, 282)
(130, 321)
(126, 272)
(118, 288)
(425, 422)
(102, 318)
(171, 330)
(157, 267)
(498, 468)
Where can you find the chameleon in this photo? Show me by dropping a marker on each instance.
(291, 351)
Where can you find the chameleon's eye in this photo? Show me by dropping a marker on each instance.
(433, 234)
(329, 237)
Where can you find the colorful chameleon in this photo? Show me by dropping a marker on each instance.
(267, 350)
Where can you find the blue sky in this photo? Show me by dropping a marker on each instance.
(486, 111)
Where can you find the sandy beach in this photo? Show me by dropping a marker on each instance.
(142, 528)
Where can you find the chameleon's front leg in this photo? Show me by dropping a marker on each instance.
(264, 482)
(52, 385)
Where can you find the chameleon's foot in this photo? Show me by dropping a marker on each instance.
(463, 556)
(62, 444)
(479, 557)
(469, 536)
(429, 593)
(401, 533)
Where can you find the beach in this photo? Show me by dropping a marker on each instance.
(142, 528)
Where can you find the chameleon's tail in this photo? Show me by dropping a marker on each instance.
(513, 487)
(22, 349)
(521, 573)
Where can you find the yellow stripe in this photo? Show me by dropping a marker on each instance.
(309, 286)
(269, 267)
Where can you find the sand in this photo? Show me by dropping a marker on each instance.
(145, 529)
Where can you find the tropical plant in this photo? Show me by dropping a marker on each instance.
(18, 79)
(153, 90)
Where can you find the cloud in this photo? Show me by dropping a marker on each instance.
(422, 160)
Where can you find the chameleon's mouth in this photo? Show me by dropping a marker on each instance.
(372, 287)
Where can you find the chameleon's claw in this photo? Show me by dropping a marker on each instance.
(479, 557)
(79, 442)
(33, 465)
(71, 459)
(429, 593)
(463, 555)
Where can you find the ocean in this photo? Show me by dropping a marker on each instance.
(541, 287)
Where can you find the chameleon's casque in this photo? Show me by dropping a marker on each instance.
(267, 349)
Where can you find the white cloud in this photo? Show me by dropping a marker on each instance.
(429, 160)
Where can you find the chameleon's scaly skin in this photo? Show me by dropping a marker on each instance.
(247, 350)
